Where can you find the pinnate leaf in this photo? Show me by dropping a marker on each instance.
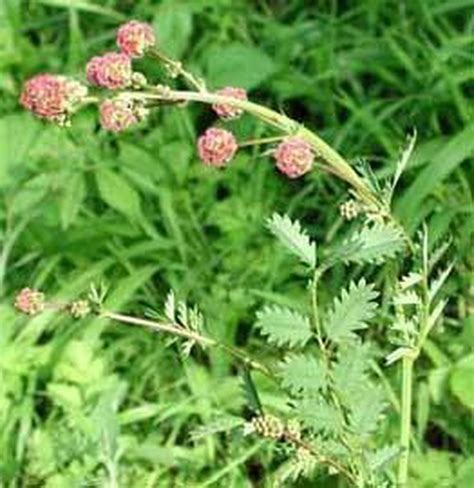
(372, 244)
(283, 326)
(302, 374)
(351, 311)
(293, 237)
(319, 416)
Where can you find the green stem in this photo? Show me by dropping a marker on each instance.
(335, 161)
(176, 329)
(405, 430)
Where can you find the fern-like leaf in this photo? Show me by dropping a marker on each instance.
(293, 237)
(283, 326)
(351, 311)
(318, 415)
(367, 407)
(349, 371)
(303, 374)
(372, 244)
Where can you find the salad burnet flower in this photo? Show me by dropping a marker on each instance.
(52, 97)
(226, 111)
(134, 38)
(216, 147)
(294, 157)
(111, 70)
(118, 114)
(29, 301)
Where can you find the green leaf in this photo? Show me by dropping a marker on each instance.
(372, 244)
(349, 371)
(378, 460)
(302, 374)
(238, 65)
(351, 311)
(283, 326)
(317, 415)
(454, 152)
(250, 391)
(118, 193)
(72, 199)
(293, 238)
(367, 406)
(174, 24)
(462, 381)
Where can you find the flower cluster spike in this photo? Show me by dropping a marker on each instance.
(217, 147)
(226, 111)
(111, 70)
(52, 97)
(294, 157)
(134, 38)
(55, 98)
(118, 114)
(29, 301)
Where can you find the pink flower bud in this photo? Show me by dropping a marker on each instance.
(119, 114)
(226, 111)
(52, 97)
(112, 70)
(217, 147)
(29, 301)
(134, 38)
(294, 157)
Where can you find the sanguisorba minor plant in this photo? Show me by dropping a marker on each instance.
(335, 390)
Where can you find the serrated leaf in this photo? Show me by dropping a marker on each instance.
(380, 458)
(373, 244)
(366, 409)
(303, 374)
(283, 326)
(319, 416)
(291, 235)
(351, 311)
(349, 371)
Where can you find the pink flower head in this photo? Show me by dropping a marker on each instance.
(52, 97)
(226, 111)
(294, 157)
(134, 38)
(112, 70)
(29, 301)
(217, 147)
(119, 114)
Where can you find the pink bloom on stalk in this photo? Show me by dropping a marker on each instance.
(134, 38)
(216, 147)
(52, 97)
(112, 71)
(117, 115)
(226, 111)
(29, 301)
(294, 157)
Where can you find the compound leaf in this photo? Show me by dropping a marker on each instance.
(351, 311)
(283, 326)
(302, 374)
(291, 235)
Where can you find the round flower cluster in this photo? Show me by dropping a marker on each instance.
(52, 97)
(29, 301)
(134, 38)
(217, 147)
(112, 71)
(226, 111)
(118, 114)
(294, 157)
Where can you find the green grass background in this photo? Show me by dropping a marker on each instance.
(82, 402)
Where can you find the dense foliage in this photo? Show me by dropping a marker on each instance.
(90, 402)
